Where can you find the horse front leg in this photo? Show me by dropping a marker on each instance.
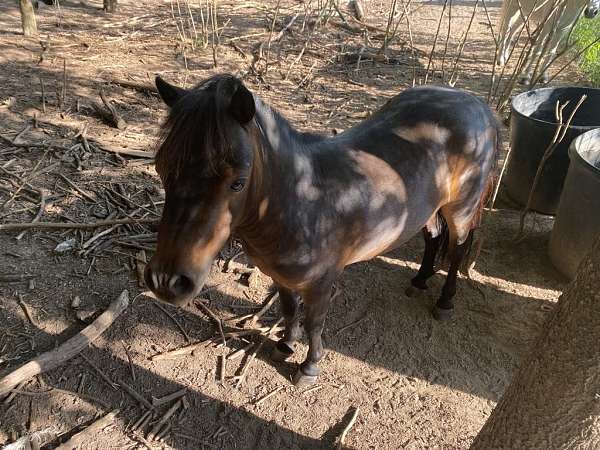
(290, 307)
(427, 269)
(316, 305)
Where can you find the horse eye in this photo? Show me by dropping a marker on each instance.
(238, 184)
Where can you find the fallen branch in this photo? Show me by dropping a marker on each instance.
(240, 352)
(99, 372)
(147, 89)
(350, 325)
(348, 427)
(72, 225)
(68, 349)
(78, 439)
(271, 298)
(109, 114)
(133, 393)
(166, 416)
(181, 351)
(168, 398)
(175, 321)
(142, 421)
(37, 439)
(264, 398)
(242, 376)
(126, 152)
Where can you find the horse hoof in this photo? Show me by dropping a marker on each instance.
(301, 379)
(281, 352)
(412, 291)
(442, 314)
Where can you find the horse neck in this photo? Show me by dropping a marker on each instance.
(277, 147)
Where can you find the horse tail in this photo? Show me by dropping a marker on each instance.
(486, 198)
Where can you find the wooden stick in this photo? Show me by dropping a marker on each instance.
(110, 114)
(33, 440)
(43, 95)
(340, 445)
(78, 439)
(68, 349)
(271, 298)
(99, 372)
(9, 398)
(133, 393)
(180, 351)
(166, 416)
(236, 354)
(26, 310)
(74, 225)
(268, 396)
(130, 361)
(168, 398)
(175, 321)
(242, 376)
(78, 189)
(214, 317)
(52, 389)
(350, 325)
(141, 420)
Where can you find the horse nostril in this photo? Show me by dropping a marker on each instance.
(180, 285)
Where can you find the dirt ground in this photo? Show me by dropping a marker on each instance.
(418, 383)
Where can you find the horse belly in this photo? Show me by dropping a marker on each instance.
(384, 237)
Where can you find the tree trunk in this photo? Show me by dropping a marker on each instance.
(553, 401)
(110, 6)
(28, 18)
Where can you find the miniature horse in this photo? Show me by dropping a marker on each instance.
(305, 206)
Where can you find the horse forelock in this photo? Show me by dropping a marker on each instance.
(194, 131)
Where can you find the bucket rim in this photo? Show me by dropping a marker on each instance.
(575, 156)
(514, 110)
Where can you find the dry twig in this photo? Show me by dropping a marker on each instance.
(78, 439)
(348, 427)
(72, 225)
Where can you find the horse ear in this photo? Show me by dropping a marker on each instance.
(169, 93)
(242, 105)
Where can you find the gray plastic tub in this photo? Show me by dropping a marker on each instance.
(532, 127)
(577, 223)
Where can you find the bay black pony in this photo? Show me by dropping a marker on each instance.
(305, 206)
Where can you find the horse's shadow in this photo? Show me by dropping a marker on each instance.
(372, 322)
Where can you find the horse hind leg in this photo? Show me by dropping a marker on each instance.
(460, 235)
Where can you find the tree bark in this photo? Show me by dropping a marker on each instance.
(28, 18)
(110, 6)
(553, 401)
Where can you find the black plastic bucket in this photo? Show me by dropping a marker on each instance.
(532, 127)
(577, 223)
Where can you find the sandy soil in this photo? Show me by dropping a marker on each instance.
(419, 384)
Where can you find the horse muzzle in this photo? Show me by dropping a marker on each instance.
(175, 287)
